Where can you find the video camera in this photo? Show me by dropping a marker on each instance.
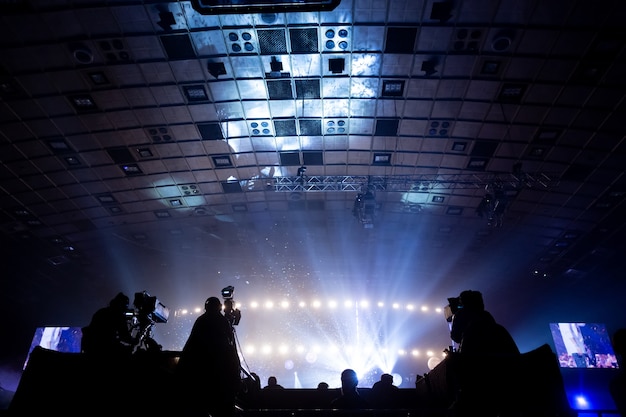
(231, 312)
(150, 308)
(148, 311)
(454, 305)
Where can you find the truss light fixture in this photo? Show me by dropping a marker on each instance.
(144, 152)
(382, 159)
(512, 93)
(537, 152)
(477, 164)
(393, 88)
(176, 202)
(548, 135)
(131, 169)
(72, 160)
(459, 146)
(83, 102)
(162, 214)
(59, 145)
(106, 199)
(98, 78)
(222, 161)
(490, 67)
(438, 199)
(195, 93)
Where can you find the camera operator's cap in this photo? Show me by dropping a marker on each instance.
(213, 304)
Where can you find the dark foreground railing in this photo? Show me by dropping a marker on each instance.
(527, 385)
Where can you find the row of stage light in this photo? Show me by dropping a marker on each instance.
(317, 305)
(332, 350)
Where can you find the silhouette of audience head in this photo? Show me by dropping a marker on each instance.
(213, 304)
(349, 380)
(349, 398)
(386, 379)
(322, 385)
(272, 383)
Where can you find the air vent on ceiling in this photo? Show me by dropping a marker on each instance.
(231, 187)
(210, 131)
(159, 134)
(303, 40)
(272, 41)
(120, 155)
(386, 127)
(336, 38)
(289, 158)
(307, 88)
(313, 157)
(310, 127)
(285, 127)
(336, 126)
(400, 40)
(178, 47)
(467, 40)
(279, 89)
(241, 41)
(114, 50)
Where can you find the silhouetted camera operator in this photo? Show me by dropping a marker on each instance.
(109, 332)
